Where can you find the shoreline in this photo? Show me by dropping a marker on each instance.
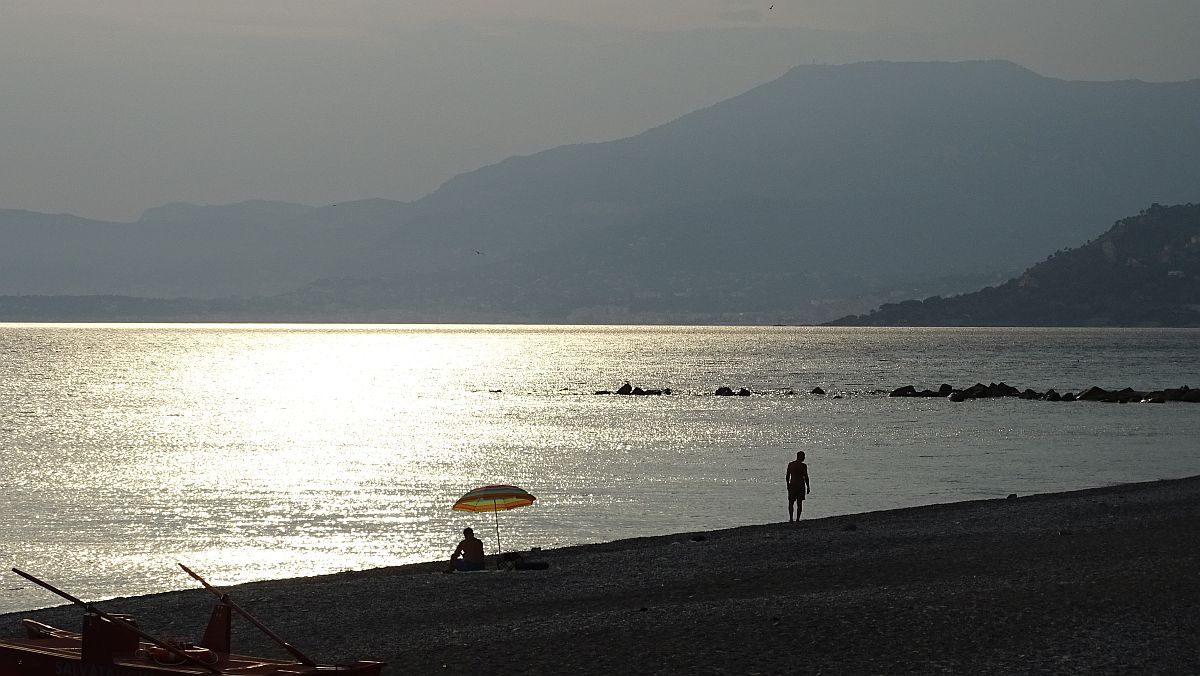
(1099, 580)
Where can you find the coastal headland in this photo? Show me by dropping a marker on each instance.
(1099, 581)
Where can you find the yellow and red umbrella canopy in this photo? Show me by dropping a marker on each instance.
(495, 498)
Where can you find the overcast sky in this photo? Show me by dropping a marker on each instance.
(110, 107)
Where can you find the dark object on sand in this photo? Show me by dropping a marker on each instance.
(114, 644)
(514, 561)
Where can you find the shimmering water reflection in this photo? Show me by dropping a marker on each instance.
(253, 452)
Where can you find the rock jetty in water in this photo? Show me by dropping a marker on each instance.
(637, 391)
(1001, 389)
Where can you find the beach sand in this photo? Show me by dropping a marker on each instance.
(1098, 581)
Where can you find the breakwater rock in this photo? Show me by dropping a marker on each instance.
(637, 391)
(1001, 389)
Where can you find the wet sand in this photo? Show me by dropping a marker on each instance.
(1099, 581)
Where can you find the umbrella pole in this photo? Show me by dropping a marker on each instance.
(496, 513)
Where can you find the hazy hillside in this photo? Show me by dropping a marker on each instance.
(1145, 271)
(827, 191)
(183, 250)
(869, 165)
(830, 186)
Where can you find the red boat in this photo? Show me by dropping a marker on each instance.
(113, 645)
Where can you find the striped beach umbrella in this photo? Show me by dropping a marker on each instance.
(494, 499)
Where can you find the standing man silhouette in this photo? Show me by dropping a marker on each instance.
(797, 485)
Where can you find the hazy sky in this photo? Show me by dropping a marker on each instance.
(111, 107)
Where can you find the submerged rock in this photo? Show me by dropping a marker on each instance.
(628, 389)
(975, 391)
(1092, 394)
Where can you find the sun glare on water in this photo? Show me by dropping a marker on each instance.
(251, 452)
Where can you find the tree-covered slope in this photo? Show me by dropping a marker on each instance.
(1144, 271)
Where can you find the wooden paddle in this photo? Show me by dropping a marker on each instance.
(118, 621)
(295, 652)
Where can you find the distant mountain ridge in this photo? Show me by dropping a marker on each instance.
(825, 192)
(932, 149)
(248, 212)
(1144, 271)
(254, 248)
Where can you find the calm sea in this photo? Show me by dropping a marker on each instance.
(254, 452)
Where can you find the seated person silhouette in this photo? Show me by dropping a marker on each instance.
(469, 555)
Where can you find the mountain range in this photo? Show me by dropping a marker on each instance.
(822, 193)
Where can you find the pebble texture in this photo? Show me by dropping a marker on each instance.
(1103, 581)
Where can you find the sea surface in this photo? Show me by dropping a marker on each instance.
(256, 452)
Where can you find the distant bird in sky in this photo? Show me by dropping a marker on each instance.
(479, 252)
(771, 8)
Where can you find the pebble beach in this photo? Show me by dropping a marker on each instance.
(1099, 581)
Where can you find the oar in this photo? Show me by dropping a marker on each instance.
(250, 618)
(118, 621)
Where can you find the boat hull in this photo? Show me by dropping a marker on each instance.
(50, 651)
(56, 657)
